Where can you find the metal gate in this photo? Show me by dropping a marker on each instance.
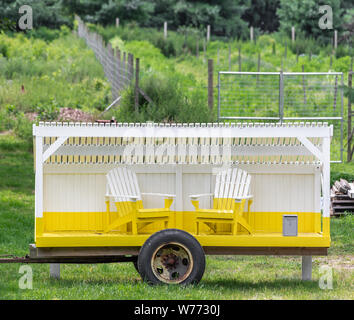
(284, 96)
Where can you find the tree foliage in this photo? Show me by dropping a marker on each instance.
(305, 15)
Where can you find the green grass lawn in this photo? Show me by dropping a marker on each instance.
(226, 277)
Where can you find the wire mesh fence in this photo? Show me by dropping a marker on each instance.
(118, 66)
(281, 96)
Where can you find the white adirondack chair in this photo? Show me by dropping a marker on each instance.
(123, 188)
(230, 195)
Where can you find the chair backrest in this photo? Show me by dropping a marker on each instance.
(230, 184)
(122, 183)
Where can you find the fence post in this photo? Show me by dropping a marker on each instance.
(258, 66)
(208, 33)
(197, 48)
(137, 69)
(239, 58)
(335, 39)
(130, 66)
(119, 80)
(304, 85)
(210, 84)
(281, 96)
(293, 34)
(251, 34)
(117, 22)
(124, 69)
(165, 29)
(350, 114)
(204, 50)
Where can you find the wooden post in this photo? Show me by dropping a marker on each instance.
(350, 115)
(124, 69)
(258, 66)
(117, 22)
(204, 50)
(54, 270)
(130, 66)
(251, 34)
(210, 84)
(306, 268)
(304, 85)
(239, 59)
(282, 64)
(165, 29)
(293, 34)
(119, 70)
(208, 33)
(197, 48)
(137, 68)
(335, 43)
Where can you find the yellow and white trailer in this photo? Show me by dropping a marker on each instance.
(96, 183)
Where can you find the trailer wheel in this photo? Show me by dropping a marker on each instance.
(171, 256)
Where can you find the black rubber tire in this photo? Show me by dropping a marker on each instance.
(171, 236)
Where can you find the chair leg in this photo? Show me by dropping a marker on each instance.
(134, 227)
(234, 228)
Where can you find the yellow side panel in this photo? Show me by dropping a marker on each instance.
(91, 239)
(261, 222)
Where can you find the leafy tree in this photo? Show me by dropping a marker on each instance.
(263, 15)
(45, 13)
(304, 16)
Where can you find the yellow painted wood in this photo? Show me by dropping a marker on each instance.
(260, 222)
(225, 211)
(91, 239)
(134, 213)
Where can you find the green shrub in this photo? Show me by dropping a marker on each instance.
(170, 103)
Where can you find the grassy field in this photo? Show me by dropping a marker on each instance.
(226, 277)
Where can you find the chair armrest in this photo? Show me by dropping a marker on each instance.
(244, 198)
(159, 195)
(133, 198)
(196, 196)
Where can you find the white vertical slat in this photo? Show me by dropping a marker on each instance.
(125, 182)
(39, 178)
(136, 185)
(217, 185)
(242, 184)
(232, 183)
(118, 182)
(227, 183)
(237, 183)
(247, 185)
(222, 184)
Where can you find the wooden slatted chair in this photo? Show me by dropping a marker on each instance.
(123, 188)
(230, 195)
